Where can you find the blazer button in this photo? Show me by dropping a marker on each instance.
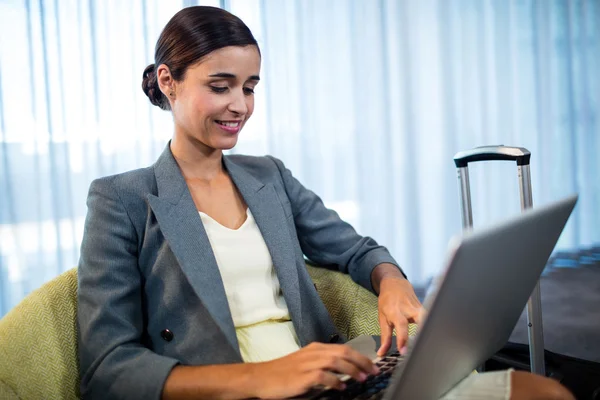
(167, 335)
(334, 338)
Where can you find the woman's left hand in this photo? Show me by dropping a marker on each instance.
(398, 306)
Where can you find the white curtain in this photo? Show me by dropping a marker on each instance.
(365, 101)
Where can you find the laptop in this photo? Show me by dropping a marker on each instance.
(489, 275)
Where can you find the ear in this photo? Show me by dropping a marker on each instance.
(165, 80)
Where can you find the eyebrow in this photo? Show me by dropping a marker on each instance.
(227, 75)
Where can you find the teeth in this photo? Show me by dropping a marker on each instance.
(230, 124)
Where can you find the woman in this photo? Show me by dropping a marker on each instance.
(191, 280)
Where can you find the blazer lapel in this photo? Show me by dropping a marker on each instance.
(271, 220)
(182, 227)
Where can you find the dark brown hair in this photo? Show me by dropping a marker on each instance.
(191, 34)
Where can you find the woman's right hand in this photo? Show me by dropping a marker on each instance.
(313, 365)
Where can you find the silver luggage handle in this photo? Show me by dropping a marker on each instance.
(462, 159)
(522, 157)
(489, 153)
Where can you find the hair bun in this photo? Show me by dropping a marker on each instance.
(151, 89)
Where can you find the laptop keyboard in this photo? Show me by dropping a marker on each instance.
(371, 389)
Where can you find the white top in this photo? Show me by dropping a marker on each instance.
(246, 267)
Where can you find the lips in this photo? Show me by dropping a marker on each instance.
(230, 124)
(231, 127)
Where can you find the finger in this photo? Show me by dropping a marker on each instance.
(344, 367)
(363, 363)
(327, 379)
(420, 318)
(386, 336)
(415, 301)
(401, 327)
(329, 353)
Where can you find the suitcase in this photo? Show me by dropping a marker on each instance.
(522, 157)
(580, 376)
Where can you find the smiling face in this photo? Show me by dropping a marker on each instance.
(215, 99)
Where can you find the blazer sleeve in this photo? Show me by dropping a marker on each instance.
(114, 364)
(326, 239)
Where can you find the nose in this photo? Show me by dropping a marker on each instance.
(238, 103)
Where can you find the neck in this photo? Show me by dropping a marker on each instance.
(197, 161)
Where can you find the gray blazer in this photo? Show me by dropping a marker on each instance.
(150, 293)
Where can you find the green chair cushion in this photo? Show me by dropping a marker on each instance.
(352, 307)
(38, 345)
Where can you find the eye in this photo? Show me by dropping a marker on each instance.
(248, 91)
(218, 89)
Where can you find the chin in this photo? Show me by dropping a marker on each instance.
(226, 144)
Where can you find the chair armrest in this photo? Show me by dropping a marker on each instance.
(353, 308)
(38, 343)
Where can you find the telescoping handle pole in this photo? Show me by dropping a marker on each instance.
(522, 157)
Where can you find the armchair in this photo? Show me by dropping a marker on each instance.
(38, 342)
